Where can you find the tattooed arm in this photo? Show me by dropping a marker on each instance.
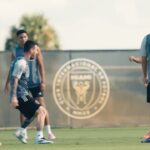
(14, 101)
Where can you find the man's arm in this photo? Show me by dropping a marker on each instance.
(6, 88)
(144, 69)
(143, 52)
(135, 59)
(14, 101)
(41, 68)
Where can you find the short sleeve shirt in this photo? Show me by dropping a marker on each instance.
(19, 69)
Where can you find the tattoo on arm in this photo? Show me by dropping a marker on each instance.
(14, 87)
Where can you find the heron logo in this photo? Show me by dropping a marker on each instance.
(81, 88)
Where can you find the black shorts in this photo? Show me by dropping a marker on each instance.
(148, 93)
(36, 92)
(27, 106)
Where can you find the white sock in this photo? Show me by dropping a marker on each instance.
(48, 129)
(39, 134)
(22, 129)
(25, 130)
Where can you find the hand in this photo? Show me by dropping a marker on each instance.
(145, 80)
(43, 86)
(14, 102)
(131, 58)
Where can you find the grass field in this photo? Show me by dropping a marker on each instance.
(82, 139)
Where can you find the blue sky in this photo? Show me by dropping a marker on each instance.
(84, 24)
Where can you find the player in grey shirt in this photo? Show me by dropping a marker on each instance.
(19, 96)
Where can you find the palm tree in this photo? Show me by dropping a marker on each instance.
(38, 29)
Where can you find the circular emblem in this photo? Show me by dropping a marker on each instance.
(81, 88)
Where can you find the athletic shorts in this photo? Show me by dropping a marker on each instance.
(36, 92)
(27, 106)
(148, 93)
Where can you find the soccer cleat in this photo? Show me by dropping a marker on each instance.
(51, 136)
(146, 140)
(21, 136)
(43, 141)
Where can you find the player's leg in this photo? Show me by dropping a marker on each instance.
(38, 95)
(21, 132)
(41, 114)
(22, 119)
(148, 93)
(147, 135)
(50, 134)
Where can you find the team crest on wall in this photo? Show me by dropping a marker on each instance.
(81, 88)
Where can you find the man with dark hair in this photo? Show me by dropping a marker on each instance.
(20, 32)
(36, 82)
(19, 96)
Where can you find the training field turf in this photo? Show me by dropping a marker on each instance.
(82, 139)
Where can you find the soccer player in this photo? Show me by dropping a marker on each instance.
(36, 79)
(19, 96)
(145, 55)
